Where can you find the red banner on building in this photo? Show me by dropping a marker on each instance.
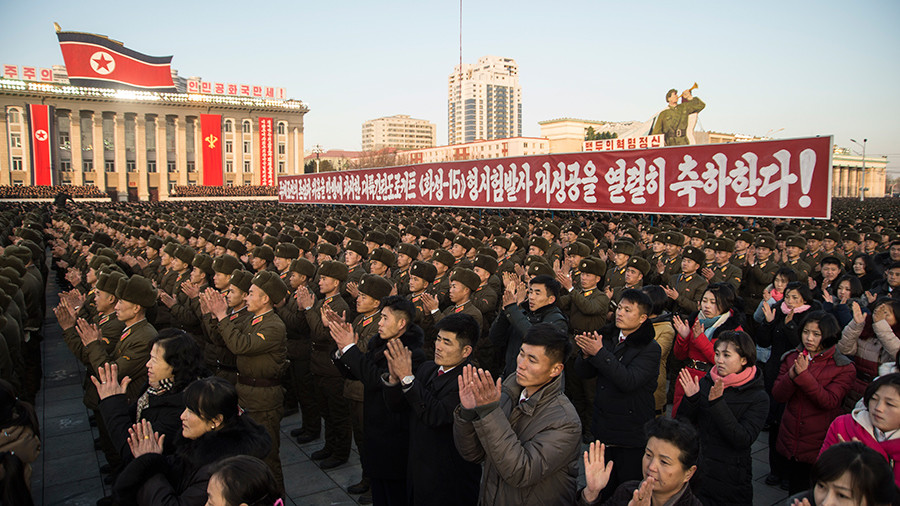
(211, 130)
(95, 60)
(789, 178)
(266, 153)
(40, 123)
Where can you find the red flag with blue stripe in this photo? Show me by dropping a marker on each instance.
(99, 62)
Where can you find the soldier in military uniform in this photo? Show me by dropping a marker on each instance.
(501, 246)
(298, 380)
(381, 261)
(635, 273)
(673, 121)
(555, 252)
(759, 272)
(723, 270)
(686, 288)
(261, 258)
(329, 384)
(485, 299)
(742, 242)
(831, 239)
(442, 261)
(793, 247)
(421, 276)
(406, 255)
(354, 256)
(622, 251)
(671, 263)
(463, 283)
(261, 357)
(283, 255)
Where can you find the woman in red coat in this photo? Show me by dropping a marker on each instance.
(812, 383)
(696, 337)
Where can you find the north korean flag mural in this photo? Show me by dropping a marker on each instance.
(211, 129)
(40, 126)
(97, 61)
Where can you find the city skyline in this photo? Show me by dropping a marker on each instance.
(774, 69)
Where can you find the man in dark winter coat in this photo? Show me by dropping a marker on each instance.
(387, 433)
(521, 311)
(624, 357)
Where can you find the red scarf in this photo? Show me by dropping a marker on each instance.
(735, 379)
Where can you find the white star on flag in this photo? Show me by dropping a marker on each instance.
(102, 63)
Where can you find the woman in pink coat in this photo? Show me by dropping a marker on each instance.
(876, 424)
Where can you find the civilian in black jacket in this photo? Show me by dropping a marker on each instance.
(521, 311)
(439, 476)
(624, 357)
(386, 436)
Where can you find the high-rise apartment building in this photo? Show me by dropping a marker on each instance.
(484, 101)
(399, 131)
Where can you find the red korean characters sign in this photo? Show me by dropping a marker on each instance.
(266, 153)
(785, 178)
(40, 121)
(211, 130)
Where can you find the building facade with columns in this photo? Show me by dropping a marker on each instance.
(139, 145)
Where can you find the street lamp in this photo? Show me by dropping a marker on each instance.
(317, 149)
(862, 184)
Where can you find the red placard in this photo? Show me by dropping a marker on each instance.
(785, 178)
(211, 130)
(266, 155)
(40, 123)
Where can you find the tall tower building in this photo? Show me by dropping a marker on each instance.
(484, 101)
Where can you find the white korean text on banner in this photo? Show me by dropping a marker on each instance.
(266, 155)
(790, 178)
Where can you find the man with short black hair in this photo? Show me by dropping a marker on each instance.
(523, 428)
(624, 357)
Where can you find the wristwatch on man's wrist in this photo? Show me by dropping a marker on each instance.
(407, 380)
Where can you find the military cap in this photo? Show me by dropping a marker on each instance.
(376, 237)
(353, 234)
(326, 248)
(185, 253)
(241, 279)
(98, 261)
(540, 268)
(414, 231)
(423, 270)
(137, 290)
(410, 250)
(336, 270)
(12, 274)
(236, 246)
(431, 244)
(517, 240)
(765, 241)
(463, 241)
(302, 243)
(220, 241)
(851, 236)
(674, 238)
(303, 266)
(359, 247)
(103, 239)
(540, 243)
(487, 263)
(445, 257)
(244, 231)
(436, 236)
(333, 237)
(270, 230)
(109, 281)
(552, 228)
(503, 242)
(694, 254)
(272, 284)
(203, 262)
(816, 235)
(724, 245)
(185, 232)
(109, 252)
(31, 235)
(745, 236)
(375, 286)
(255, 239)
(834, 235)
(641, 264)
(383, 255)
(624, 247)
(783, 235)
(287, 250)
(467, 277)
(873, 237)
(698, 233)
(264, 252)
(270, 241)
(592, 265)
(578, 248)
(796, 240)
(226, 264)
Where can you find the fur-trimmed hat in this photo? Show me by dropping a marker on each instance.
(20, 252)
(137, 290)
(336, 270)
(624, 247)
(640, 264)
(540, 268)
(154, 242)
(359, 247)
(724, 245)
(487, 263)
(272, 284)
(578, 248)
(109, 281)
(226, 264)
(674, 238)
(185, 253)
(98, 261)
(445, 257)
(593, 265)
(384, 255)
(540, 243)
(423, 270)
(303, 266)
(467, 277)
(14, 262)
(694, 254)
(375, 286)
(463, 241)
(287, 250)
(410, 250)
(765, 241)
(797, 241)
(326, 248)
(236, 246)
(242, 279)
(264, 252)
(203, 262)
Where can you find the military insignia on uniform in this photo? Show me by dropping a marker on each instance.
(329, 299)
(105, 340)
(457, 309)
(588, 293)
(261, 336)
(368, 320)
(91, 292)
(126, 333)
(256, 320)
(233, 316)
(416, 298)
(104, 319)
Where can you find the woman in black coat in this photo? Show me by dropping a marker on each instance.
(212, 429)
(728, 406)
(175, 361)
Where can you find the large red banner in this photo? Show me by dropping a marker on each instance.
(786, 178)
(266, 154)
(211, 130)
(40, 123)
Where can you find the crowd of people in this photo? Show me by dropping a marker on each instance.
(224, 191)
(49, 192)
(469, 355)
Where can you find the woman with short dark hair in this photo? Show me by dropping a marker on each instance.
(243, 480)
(812, 383)
(849, 473)
(728, 406)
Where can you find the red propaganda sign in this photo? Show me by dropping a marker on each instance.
(266, 154)
(40, 122)
(786, 178)
(211, 130)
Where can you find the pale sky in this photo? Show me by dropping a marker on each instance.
(809, 68)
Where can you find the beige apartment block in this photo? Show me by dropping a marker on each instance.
(484, 101)
(400, 132)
